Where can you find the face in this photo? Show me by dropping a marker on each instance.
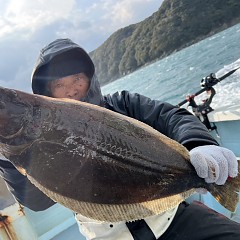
(73, 87)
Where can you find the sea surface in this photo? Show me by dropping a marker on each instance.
(172, 78)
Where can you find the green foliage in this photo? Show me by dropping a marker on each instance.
(177, 24)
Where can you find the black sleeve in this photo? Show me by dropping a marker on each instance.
(22, 189)
(174, 122)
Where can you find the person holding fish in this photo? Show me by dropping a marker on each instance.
(65, 70)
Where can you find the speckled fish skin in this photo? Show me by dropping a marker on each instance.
(90, 154)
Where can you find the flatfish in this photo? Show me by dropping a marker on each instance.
(101, 164)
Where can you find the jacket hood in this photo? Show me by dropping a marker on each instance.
(62, 58)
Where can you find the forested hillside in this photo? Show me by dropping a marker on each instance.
(176, 24)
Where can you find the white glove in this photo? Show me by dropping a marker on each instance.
(213, 163)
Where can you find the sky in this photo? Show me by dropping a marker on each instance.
(26, 26)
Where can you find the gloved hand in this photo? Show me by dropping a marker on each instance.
(213, 163)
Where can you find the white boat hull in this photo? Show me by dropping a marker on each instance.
(227, 121)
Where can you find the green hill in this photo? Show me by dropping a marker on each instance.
(176, 24)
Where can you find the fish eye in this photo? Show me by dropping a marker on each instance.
(59, 85)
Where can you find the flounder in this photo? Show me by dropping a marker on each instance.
(96, 162)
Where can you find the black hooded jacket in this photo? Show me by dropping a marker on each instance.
(174, 122)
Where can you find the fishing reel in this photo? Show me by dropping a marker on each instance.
(209, 81)
(201, 110)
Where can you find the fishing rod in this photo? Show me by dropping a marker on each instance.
(203, 109)
(207, 83)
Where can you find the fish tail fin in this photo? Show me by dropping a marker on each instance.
(228, 194)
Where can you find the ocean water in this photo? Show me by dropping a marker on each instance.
(172, 78)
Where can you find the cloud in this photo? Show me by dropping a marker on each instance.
(90, 21)
(109, 15)
(24, 16)
(93, 24)
(121, 13)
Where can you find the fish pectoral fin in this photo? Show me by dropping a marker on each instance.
(5, 138)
